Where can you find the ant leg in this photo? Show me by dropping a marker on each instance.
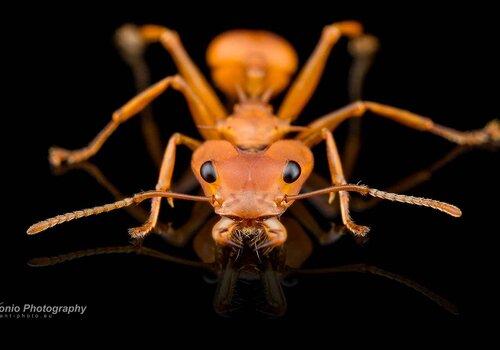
(132, 48)
(203, 243)
(303, 215)
(363, 50)
(337, 177)
(164, 181)
(313, 134)
(179, 237)
(316, 182)
(308, 78)
(130, 109)
(189, 71)
(93, 170)
(298, 245)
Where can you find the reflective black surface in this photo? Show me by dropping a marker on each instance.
(71, 78)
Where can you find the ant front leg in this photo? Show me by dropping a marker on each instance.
(164, 181)
(201, 115)
(337, 177)
(316, 182)
(308, 78)
(136, 212)
(138, 36)
(313, 134)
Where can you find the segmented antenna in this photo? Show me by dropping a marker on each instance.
(425, 202)
(364, 190)
(59, 219)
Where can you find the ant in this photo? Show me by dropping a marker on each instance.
(250, 169)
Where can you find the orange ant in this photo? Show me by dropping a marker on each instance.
(249, 170)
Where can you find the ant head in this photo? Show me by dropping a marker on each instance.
(251, 185)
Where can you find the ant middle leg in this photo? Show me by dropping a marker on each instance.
(200, 114)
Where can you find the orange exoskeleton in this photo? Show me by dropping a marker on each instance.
(248, 166)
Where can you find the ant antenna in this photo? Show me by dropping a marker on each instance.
(424, 202)
(136, 199)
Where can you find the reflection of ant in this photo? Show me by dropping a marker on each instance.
(239, 271)
(249, 168)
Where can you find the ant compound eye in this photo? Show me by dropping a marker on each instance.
(207, 172)
(291, 172)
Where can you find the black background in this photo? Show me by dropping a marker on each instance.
(68, 78)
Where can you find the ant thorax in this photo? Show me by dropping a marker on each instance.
(252, 126)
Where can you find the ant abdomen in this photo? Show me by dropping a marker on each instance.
(255, 61)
